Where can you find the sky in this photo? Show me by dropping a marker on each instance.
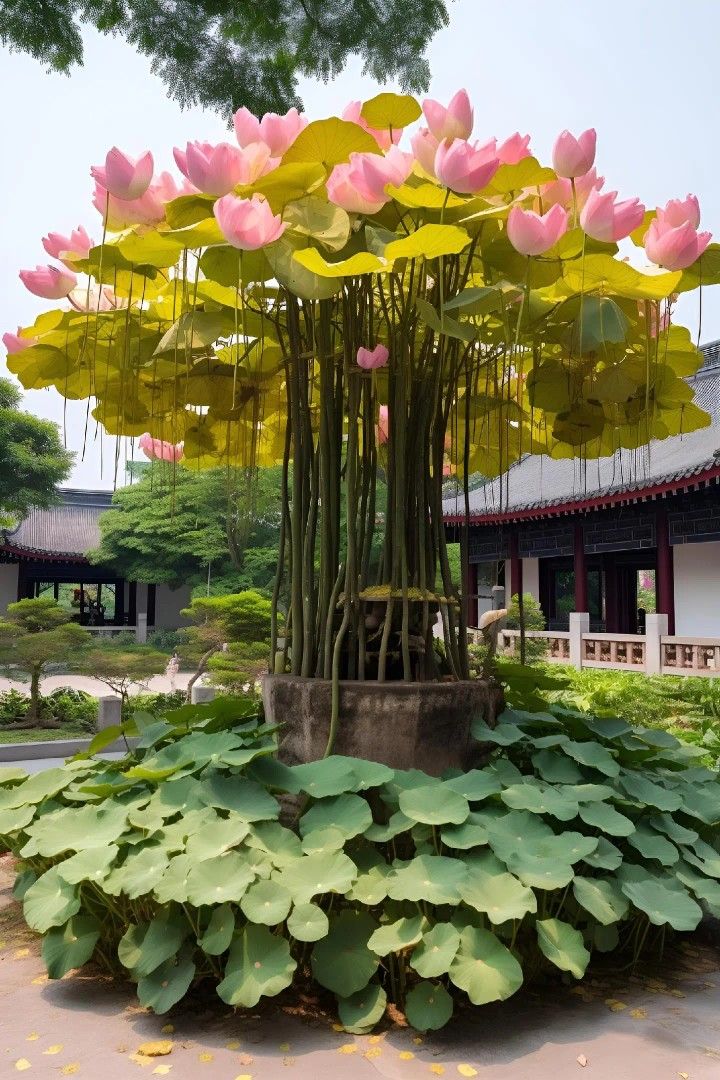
(642, 72)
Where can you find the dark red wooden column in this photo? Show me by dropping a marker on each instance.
(516, 568)
(612, 598)
(664, 577)
(580, 568)
(471, 599)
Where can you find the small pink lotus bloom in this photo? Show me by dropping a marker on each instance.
(149, 209)
(424, 147)
(359, 186)
(574, 156)
(50, 282)
(678, 211)
(15, 344)
(453, 122)
(123, 176)
(531, 234)
(464, 167)
(215, 170)
(674, 248)
(514, 149)
(343, 191)
(645, 308)
(248, 224)
(83, 298)
(382, 430)
(559, 192)
(159, 449)
(352, 112)
(606, 220)
(68, 248)
(369, 359)
(277, 132)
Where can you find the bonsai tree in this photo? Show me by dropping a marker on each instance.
(33, 634)
(238, 625)
(122, 666)
(352, 309)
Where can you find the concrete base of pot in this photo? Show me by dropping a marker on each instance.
(404, 725)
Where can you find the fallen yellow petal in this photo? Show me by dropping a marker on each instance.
(347, 1048)
(678, 994)
(162, 1070)
(19, 953)
(32, 1036)
(22, 1064)
(638, 1014)
(375, 1039)
(338, 1027)
(232, 1045)
(684, 1076)
(437, 1070)
(467, 1070)
(157, 1048)
(244, 1076)
(614, 1005)
(205, 1057)
(70, 1070)
(418, 1040)
(373, 1052)
(406, 1055)
(582, 1060)
(40, 981)
(167, 1029)
(54, 1049)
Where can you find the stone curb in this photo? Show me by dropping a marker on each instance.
(60, 748)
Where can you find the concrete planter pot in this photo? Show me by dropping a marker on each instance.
(404, 725)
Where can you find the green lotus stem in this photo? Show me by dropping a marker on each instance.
(296, 575)
(280, 572)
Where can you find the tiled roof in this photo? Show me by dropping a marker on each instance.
(70, 528)
(538, 483)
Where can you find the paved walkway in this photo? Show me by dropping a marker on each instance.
(662, 1026)
(157, 684)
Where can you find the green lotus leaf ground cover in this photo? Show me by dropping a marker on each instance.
(386, 887)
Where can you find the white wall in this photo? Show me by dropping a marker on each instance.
(168, 605)
(697, 589)
(8, 585)
(531, 577)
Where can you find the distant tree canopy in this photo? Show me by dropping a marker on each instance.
(33, 460)
(173, 522)
(225, 53)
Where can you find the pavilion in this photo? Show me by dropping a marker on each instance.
(577, 534)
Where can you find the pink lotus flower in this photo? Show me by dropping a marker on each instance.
(352, 112)
(648, 310)
(464, 167)
(48, 281)
(77, 246)
(678, 211)
(514, 149)
(159, 449)
(248, 224)
(277, 132)
(15, 344)
(215, 170)
(531, 234)
(359, 186)
(453, 122)
(574, 156)
(559, 192)
(149, 209)
(674, 248)
(370, 359)
(125, 177)
(606, 220)
(424, 147)
(382, 429)
(83, 298)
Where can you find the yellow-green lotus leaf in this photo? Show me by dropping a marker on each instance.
(360, 263)
(222, 265)
(704, 271)
(528, 172)
(386, 111)
(46, 321)
(149, 249)
(205, 233)
(685, 419)
(429, 242)
(294, 275)
(188, 210)
(638, 235)
(330, 142)
(607, 274)
(424, 196)
(319, 219)
(286, 183)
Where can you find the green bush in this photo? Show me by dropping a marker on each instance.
(171, 866)
(534, 619)
(155, 704)
(64, 706)
(165, 640)
(13, 707)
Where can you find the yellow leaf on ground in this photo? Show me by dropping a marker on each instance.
(614, 1005)
(32, 1036)
(54, 1049)
(19, 953)
(375, 1039)
(22, 1064)
(678, 994)
(684, 1076)
(162, 1070)
(284, 1047)
(157, 1048)
(232, 1045)
(70, 1070)
(437, 1070)
(338, 1027)
(40, 981)
(466, 1070)
(347, 1048)
(418, 1040)
(244, 1076)
(373, 1052)
(205, 1057)
(167, 1029)
(638, 1014)
(406, 1055)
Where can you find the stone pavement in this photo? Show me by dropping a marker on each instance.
(650, 1027)
(156, 685)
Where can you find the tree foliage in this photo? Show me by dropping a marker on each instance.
(229, 636)
(237, 52)
(121, 666)
(173, 522)
(33, 460)
(33, 634)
